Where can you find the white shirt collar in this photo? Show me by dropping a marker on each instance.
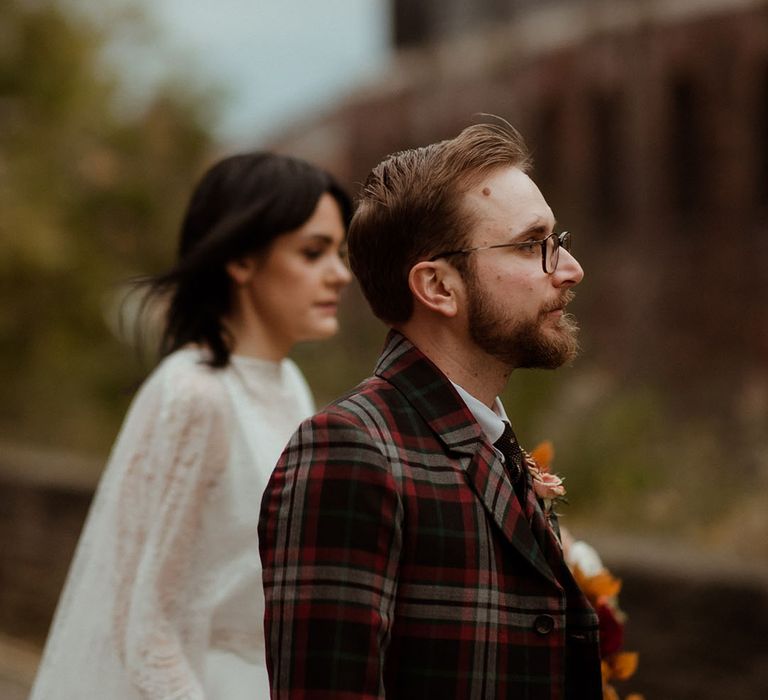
(491, 420)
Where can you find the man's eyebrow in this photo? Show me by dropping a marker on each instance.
(539, 227)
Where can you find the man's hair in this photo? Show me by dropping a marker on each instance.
(411, 208)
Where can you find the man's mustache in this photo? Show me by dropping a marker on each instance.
(560, 303)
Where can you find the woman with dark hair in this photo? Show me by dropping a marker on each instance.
(164, 596)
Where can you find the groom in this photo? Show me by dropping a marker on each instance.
(405, 554)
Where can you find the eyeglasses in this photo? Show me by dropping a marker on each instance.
(550, 249)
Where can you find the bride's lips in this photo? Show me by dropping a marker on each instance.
(330, 306)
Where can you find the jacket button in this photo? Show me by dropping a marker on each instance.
(544, 624)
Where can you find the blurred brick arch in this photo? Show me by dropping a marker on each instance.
(649, 128)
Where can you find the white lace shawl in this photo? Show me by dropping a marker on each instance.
(163, 600)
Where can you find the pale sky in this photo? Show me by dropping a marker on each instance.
(276, 60)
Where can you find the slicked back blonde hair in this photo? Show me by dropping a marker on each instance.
(411, 208)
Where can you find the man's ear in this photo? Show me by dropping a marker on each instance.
(435, 285)
(241, 270)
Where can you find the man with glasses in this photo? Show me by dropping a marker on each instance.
(405, 553)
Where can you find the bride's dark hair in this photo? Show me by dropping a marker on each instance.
(241, 204)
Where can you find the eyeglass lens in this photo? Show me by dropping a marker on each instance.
(552, 252)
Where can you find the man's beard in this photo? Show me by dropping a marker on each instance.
(522, 343)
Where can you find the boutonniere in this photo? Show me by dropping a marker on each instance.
(548, 487)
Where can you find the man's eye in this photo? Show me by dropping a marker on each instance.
(530, 246)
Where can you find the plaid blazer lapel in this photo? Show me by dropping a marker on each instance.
(435, 399)
(488, 477)
(541, 527)
(544, 532)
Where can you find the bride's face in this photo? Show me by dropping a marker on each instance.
(295, 286)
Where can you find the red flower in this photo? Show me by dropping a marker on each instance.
(611, 628)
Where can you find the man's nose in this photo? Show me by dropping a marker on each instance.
(569, 272)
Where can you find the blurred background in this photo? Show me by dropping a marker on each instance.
(648, 122)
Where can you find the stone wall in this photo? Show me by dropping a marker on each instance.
(39, 527)
(44, 498)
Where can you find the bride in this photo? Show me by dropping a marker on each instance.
(164, 599)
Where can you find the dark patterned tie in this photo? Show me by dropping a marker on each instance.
(508, 445)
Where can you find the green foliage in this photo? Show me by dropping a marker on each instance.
(632, 463)
(88, 198)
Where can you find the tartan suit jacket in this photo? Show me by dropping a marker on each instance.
(399, 564)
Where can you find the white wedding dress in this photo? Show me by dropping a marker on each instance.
(164, 597)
